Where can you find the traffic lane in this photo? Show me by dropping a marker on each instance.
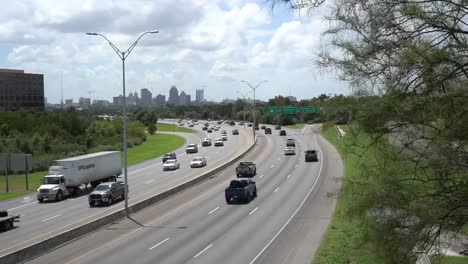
(250, 235)
(301, 238)
(86, 247)
(195, 219)
(70, 215)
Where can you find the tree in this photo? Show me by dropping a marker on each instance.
(152, 128)
(413, 57)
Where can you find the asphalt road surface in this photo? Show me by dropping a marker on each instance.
(41, 221)
(284, 224)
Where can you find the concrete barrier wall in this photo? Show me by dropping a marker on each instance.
(49, 244)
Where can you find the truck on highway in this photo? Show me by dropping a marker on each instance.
(246, 169)
(67, 175)
(106, 193)
(241, 189)
(7, 221)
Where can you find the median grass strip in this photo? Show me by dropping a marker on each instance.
(344, 239)
(173, 128)
(296, 126)
(154, 146)
(449, 260)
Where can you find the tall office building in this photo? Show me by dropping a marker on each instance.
(160, 100)
(199, 95)
(182, 98)
(84, 102)
(146, 97)
(173, 96)
(19, 90)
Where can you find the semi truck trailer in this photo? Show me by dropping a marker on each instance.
(67, 175)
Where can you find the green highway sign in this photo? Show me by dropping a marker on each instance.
(271, 109)
(289, 110)
(310, 109)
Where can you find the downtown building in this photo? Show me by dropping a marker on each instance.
(19, 90)
(159, 100)
(146, 97)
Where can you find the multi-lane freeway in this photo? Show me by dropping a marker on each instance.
(42, 221)
(284, 224)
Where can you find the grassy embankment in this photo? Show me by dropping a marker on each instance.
(296, 126)
(343, 242)
(173, 128)
(154, 146)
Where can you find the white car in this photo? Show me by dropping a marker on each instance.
(171, 164)
(219, 142)
(224, 137)
(198, 162)
(191, 148)
(289, 151)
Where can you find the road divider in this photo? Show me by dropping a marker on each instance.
(42, 247)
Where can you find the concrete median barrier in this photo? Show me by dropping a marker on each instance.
(47, 245)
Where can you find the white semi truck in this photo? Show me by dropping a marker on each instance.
(67, 175)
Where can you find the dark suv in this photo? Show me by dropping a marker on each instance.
(267, 130)
(282, 133)
(290, 142)
(169, 156)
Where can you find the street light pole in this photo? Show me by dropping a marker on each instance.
(123, 56)
(253, 111)
(244, 96)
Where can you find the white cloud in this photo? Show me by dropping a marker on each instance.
(200, 41)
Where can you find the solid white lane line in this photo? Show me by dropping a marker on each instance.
(302, 132)
(253, 211)
(203, 251)
(160, 243)
(214, 210)
(21, 206)
(276, 190)
(261, 176)
(55, 216)
(149, 181)
(297, 210)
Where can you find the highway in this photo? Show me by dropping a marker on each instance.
(41, 221)
(284, 224)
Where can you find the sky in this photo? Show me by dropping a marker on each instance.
(210, 44)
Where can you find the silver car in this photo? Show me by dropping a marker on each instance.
(171, 164)
(198, 162)
(289, 151)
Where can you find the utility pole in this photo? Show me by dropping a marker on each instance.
(253, 111)
(90, 97)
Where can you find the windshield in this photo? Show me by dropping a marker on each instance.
(197, 159)
(102, 187)
(51, 180)
(170, 162)
(238, 184)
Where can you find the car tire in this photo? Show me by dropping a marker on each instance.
(123, 196)
(255, 192)
(91, 204)
(110, 201)
(40, 200)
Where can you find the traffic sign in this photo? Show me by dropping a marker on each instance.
(294, 120)
(310, 109)
(289, 110)
(271, 109)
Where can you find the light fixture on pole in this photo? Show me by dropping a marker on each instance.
(123, 56)
(253, 111)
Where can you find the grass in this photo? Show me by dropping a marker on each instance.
(173, 128)
(343, 240)
(450, 260)
(296, 126)
(154, 146)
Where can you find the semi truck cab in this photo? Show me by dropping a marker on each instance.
(52, 188)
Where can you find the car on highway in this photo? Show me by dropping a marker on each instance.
(241, 189)
(289, 151)
(204, 128)
(223, 132)
(7, 221)
(282, 133)
(171, 164)
(249, 124)
(191, 148)
(215, 128)
(241, 123)
(209, 130)
(190, 125)
(311, 155)
(290, 142)
(267, 130)
(231, 123)
(224, 137)
(106, 193)
(235, 131)
(263, 127)
(256, 127)
(169, 156)
(198, 162)
(206, 142)
(219, 142)
(246, 169)
(277, 127)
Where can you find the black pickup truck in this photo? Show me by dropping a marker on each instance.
(246, 169)
(242, 190)
(106, 193)
(311, 155)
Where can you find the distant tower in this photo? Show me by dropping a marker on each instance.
(173, 96)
